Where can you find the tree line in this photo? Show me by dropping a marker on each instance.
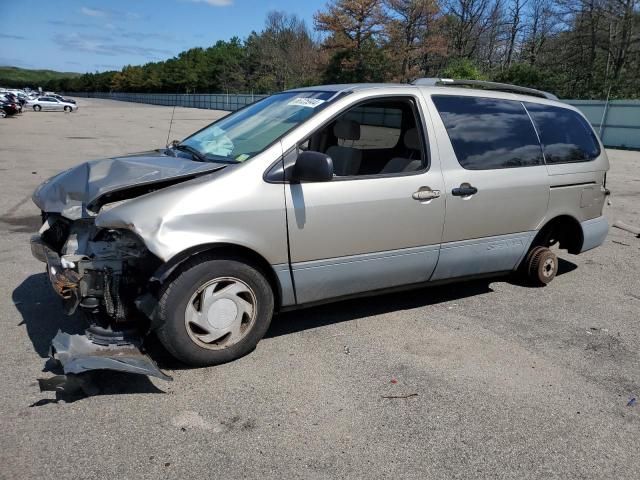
(574, 48)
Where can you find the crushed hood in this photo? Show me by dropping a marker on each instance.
(81, 191)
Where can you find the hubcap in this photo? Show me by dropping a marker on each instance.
(548, 267)
(220, 313)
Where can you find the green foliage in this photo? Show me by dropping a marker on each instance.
(349, 66)
(15, 77)
(574, 54)
(463, 69)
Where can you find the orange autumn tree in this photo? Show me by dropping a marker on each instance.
(353, 28)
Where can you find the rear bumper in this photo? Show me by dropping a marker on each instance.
(594, 232)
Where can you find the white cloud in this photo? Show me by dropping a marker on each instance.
(93, 12)
(215, 3)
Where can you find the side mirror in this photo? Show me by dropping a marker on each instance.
(312, 167)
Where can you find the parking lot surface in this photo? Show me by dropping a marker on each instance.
(484, 379)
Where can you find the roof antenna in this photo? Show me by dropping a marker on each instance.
(170, 124)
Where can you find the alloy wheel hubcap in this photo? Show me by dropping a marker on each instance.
(220, 313)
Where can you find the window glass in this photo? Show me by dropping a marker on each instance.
(380, 136)
(380, 127)
(488, 133)
(565, 135)
(243, 134)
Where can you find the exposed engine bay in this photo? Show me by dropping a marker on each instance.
(103, 273)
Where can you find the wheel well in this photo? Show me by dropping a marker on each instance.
(223, 250)
(563, 230)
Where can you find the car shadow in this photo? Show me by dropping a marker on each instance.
(359, 308)
(42, 316)
(564, 267)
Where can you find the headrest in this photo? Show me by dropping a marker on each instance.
(412, 139)
(347, 130)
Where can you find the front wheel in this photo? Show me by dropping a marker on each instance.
(214, 311)
(37, 108)
(3, 114)
(67, 109)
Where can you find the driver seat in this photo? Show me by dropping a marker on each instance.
(346, 160)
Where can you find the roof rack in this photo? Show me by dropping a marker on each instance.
(500, 87)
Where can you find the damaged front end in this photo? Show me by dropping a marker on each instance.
(103, 273)
(106, 272)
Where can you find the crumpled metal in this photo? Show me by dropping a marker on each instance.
(70, 192)
(78, 354)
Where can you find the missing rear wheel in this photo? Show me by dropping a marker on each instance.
(541, 266)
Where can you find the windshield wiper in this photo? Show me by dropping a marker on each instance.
(195, 153)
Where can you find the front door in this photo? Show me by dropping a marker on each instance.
(496, 183)
(378, 223)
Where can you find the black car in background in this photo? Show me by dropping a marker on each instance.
(13, 98)
(8, 109)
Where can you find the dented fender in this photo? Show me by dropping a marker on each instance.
(229, 206)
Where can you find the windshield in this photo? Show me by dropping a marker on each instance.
(247, 132)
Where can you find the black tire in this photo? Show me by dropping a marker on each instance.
(37, 108)
(541, 266)
(67, 109)
(3, 114)
(175, 295)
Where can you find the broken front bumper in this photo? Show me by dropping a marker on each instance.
(82, 353)
(65, 281)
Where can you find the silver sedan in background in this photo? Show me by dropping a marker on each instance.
(51, 104)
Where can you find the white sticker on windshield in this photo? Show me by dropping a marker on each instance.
(305, 102)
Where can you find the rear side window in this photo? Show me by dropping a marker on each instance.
(489, 133)
(566, 137)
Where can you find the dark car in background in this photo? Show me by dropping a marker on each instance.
(8, 109)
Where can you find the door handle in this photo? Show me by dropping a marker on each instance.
(464, 190)
(425, 193)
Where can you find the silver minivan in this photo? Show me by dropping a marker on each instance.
(313, 195)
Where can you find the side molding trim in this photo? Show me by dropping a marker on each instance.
(482, 255)
(336, 277)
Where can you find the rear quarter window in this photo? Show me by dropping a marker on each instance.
(488, 133)
(565, 135)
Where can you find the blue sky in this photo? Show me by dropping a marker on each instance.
(91, 35)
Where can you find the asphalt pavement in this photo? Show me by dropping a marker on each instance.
(484, 379)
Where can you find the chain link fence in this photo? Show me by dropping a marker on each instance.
(617, 121)
(211, 101)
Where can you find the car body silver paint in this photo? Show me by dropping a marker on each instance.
(345, 234)
(517, 198)
(499, 253)
(71, 191)
(358, 215)
(287, 293)
(594, 232)
(232, 206)
(335, 277)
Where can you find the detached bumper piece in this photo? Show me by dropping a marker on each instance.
(79, 354)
